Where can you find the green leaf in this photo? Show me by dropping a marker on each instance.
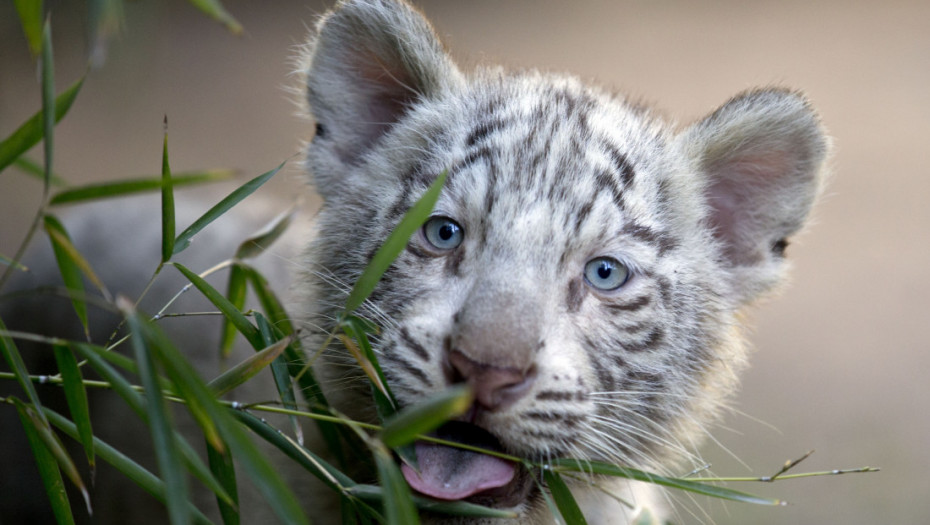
(221, 465)
(248, 368)
(313, 463)
(15, 361)
(30, 19)
(216, 11)
(356, 329)
(30, 167)
(398, 501)
(31, 132)
(167, 204)
(263, 476)
(132, 470)
(227, 308)
(597, 467)
(258, 242)
(51, 442)
(6, 261)
(122, 188)
(406, 425)
(166, 450)
(48, 101)
(48, 466)
(61, 241)
(282, 379)
(235, 292)
(76, 397)
(374, 494)
(395, 243)
(70, 263)
(105, 20)
(184, 239)
(564, 499)
(96, 357)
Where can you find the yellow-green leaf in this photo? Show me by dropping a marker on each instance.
(216, 11)
(248, 368)
(236, 196)
(29, 133)
(424, 417)
(395, 243)
(76, 397)
(48, 467)
(30, 19)
(122, 188)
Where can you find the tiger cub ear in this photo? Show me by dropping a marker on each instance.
(762, 157)
(369, 61)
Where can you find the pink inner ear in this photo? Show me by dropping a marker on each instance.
(390, 91)
(742, 193)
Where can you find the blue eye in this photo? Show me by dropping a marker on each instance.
(606, 273)
(443, 233)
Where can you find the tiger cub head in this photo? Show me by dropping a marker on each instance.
(584, 267)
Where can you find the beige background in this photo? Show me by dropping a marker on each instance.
(842, 358)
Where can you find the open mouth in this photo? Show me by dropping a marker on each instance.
(451, 473)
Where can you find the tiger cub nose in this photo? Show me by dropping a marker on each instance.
(494, 387)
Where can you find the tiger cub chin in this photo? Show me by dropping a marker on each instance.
(583, 270)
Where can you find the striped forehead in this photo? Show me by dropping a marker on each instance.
(544, 160)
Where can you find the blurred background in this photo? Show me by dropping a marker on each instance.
(841, 359)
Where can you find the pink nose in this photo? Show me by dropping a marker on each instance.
(495, 387)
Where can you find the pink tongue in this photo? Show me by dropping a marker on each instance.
(451, 473)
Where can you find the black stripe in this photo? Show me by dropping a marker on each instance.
(414, 345)
(636, 304)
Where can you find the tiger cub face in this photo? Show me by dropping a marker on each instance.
(585, 264)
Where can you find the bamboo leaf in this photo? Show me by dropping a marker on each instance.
(124, 187)
(31, 168)
(48, 102)
(282, 379)
(184, 239)
(356, 330)
(76, 397)
(216, 11)
(105, 20)
(132, 470)
(258, 242)
(221, 465)
(167, 204)
(97, 357)
(248, 368)
(395, 243)
(564, 499)
(228, 309)
(51, 442)
(15, 361)
(406, 425)
(398, 501)
(62, 242)
(166, 450)
(597, 467)
(235, 292)
(48, 466)
(6, 261)
(30, 19)
(263, 476)
(31, 132)
(313, 463)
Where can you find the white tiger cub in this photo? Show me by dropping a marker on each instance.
(584, 268)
